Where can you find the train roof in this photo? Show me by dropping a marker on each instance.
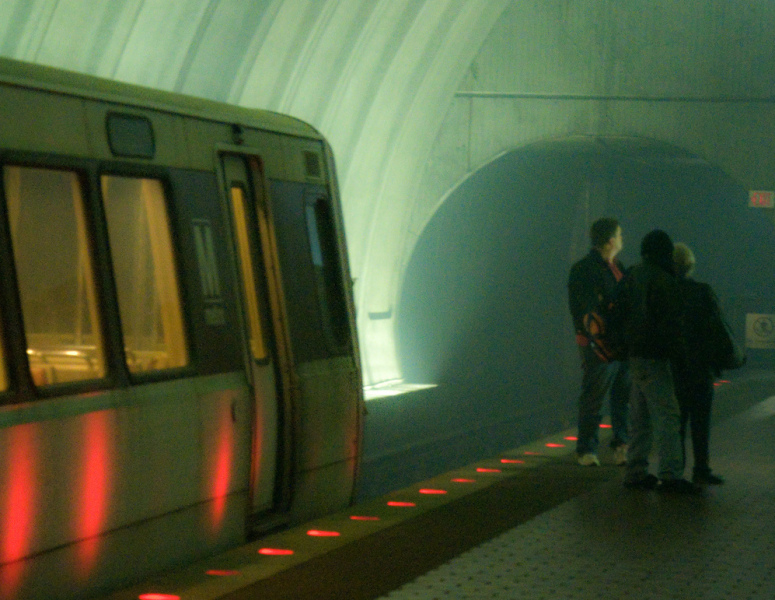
(30, 75)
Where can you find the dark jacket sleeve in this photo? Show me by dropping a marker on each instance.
(591, 286)
(652, 315)
(580, 295)
(666, 310)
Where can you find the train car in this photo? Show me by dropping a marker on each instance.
(179, 369)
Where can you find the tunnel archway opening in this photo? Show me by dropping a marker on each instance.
(483, 306)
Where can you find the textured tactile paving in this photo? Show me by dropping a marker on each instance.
(615, 543)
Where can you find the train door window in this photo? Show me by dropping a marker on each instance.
(325, 260)
(55, 274)
(241, 220)
(3, 372)
(145, 273)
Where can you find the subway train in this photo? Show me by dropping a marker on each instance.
(179, 369)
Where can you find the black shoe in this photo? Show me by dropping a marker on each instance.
(678, 486)
(649, 482)
(707, 479)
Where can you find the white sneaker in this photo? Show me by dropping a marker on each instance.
(620, 455)
(589, 460)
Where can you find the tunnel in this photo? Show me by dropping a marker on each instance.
(483, 310)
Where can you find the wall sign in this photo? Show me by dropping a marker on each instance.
(761, 198)
(760, 331)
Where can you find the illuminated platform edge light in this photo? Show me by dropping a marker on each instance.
(321, 533)
(363, 518)
(401, 504)
(512, 461)
(155, 596)
(275, 551)
(432, 491)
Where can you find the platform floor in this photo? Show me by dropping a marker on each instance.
(530, 523)
(616, 543)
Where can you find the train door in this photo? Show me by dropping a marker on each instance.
(268, 350)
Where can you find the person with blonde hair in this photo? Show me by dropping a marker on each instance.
(694, 376)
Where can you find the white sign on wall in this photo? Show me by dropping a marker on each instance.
(760, 331)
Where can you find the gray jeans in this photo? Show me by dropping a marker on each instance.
(654, 413)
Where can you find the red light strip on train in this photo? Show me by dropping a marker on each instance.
(553, 445)
(463, 480)
(403, 504)
(221, 573)
(432, 492)
(484, 470)
(363, 518)
(158, 597)
(512, 461)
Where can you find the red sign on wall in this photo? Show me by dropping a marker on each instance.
(761, 198)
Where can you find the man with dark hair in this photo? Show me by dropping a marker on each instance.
(591, 286)
(650, 304)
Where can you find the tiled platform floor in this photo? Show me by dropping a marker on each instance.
(614, 543)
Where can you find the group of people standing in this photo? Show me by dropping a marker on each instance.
(657, 371)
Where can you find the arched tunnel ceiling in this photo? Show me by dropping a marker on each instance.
(414, 95)
(370, 74)
(374, 76)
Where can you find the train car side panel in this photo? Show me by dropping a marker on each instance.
(37, 124)
(140, 427)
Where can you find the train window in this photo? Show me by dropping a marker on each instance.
(239, 209)
(145, 273)
(3, 372)
(55, 274)
(325, 259)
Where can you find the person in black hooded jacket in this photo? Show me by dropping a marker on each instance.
(650, 305)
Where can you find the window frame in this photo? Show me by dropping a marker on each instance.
(161, 174)
(257, 273)
(13, 338)
(329, 254)
(21, 386)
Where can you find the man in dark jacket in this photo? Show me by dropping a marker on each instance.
(650, 305)
(591, 286)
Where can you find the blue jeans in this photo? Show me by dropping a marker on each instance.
(654, 413)
(601, 378)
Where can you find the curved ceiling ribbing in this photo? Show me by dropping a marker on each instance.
(375, 76)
